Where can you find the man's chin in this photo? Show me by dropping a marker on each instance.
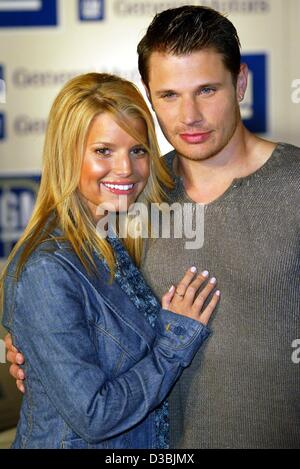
(197, 155)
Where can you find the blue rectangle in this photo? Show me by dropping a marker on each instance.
(33, 13)
(257, 107)
(17, 199)
(2, 88)
(91, 10)
(2, 127)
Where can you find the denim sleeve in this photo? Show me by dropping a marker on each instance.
(50, 328)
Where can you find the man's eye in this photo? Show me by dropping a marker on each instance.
(207, 90)
(139, 151)
(103, 151)
(168, 95)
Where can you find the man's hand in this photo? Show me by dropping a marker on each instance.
(17, 359)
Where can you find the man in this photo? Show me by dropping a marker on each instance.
(242, 390)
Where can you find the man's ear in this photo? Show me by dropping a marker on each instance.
(147, 91)
(242, 81)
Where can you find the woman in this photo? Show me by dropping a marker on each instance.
(101, 354)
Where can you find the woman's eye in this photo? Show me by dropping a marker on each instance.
(103, 151)
(139, 151)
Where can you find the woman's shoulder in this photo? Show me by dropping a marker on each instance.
(43, 252)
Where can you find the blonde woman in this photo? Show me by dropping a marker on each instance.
(101, 354)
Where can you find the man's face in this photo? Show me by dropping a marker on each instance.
(195, 101)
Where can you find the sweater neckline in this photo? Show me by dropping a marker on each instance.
(180, 192)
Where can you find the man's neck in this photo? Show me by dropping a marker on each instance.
(208, 179)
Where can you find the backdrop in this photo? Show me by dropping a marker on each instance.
(45, 42)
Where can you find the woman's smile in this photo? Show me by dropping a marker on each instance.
(115, 164)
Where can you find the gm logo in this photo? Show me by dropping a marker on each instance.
(91, 10)
(17, 198)
(254, 105)
(28, 13)
(2, 87)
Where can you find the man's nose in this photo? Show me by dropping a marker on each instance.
(190, 112)
(122, 164)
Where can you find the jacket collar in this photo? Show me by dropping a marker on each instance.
(110, 292)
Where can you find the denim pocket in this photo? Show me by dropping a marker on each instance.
(79, 443)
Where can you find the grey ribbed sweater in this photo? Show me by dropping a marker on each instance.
(242, 389)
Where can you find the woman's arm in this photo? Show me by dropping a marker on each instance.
(51, 331)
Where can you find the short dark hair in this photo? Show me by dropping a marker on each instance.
(188, 29)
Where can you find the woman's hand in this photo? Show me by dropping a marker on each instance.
(190, 295)
(13, 356)
(186, 299)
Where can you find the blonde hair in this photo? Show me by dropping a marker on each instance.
(78, 103)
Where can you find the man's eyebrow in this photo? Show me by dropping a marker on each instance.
(164, 91)
(201, 85)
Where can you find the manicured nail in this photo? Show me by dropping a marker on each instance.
(20, 374)
(172, 288)
(205, 273)
(213, 280)
(218, 293)
(22, 389)
(193, 269)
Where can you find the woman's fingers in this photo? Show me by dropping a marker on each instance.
(205, 316)
(203, 295)
(189, 297)
(185, 282)
(195, 285)
(167, 298)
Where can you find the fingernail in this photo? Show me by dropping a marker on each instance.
(22, 389)
(19, 359)
(172, 288)
(20, 374)
(218, 293)
(213, 280)
(193, 269)
(205, 273)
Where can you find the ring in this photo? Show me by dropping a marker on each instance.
(176, 292)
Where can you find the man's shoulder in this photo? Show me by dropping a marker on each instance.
(168, 158)
(286, 163)
(288, 153)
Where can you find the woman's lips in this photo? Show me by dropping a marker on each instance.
(119, 189)
(196, 137)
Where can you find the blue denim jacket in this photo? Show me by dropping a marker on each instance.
(96, 368)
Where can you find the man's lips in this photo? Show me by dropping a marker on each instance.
(119, 188)
(195, 137)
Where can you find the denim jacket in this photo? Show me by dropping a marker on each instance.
(96, 368)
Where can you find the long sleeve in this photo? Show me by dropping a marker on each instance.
(51, 330)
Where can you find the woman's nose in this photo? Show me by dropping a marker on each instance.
(123, 165)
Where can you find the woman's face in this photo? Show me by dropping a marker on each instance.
(115, 166)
